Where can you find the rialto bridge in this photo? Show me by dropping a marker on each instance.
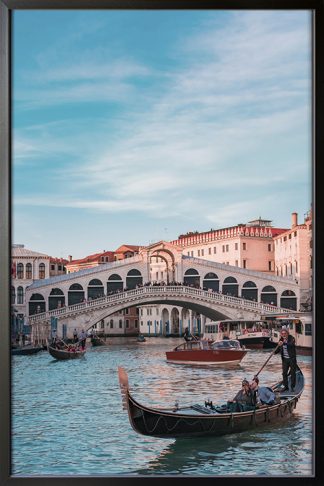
(159, 274)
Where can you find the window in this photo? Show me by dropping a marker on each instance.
(269, 247)
(223, 248)
(20, 295)
(120, 323)
(111, 324)
(291, 271)
(136, 323)
(157, 311)
(141, 323)
(188, 253)
(236, 263)
(52, 267)
(198, 252)
(285, 238)
(141, 312)
(236, 246)
(244, 247)
(59, 267)
(20, 270)
(244, 263)
(127, 323)
(308, 329)
(13, 295)
(269, 265)
(290, 236)
(147, 312)
(102, 322)
(202, 252)
(156, 275)
(209, 251)
(42, 270)
(126, 311)
(227, 247)
(295, 233)
(214, 250)
(192, 253)
(29, 271)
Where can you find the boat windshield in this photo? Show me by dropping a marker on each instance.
(226, 343)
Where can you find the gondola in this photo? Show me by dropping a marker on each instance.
(97, 341)
(64, 354)
(206, 420)
(26, 350)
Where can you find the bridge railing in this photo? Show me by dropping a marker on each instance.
(130, 295)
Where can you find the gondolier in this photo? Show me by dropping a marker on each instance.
(288, 355)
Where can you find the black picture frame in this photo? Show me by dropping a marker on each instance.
(6, 9)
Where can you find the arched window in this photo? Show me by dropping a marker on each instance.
(29, 274)
(20, 295)
(250, 291)
(211, 281)
(134, 277)
(75, 294)
(288, 300)
(42, 270)
(269, 295)
(230, 286)
(115, 282)
(191, 278)
(36, 304)
(56, 299)
(20, 270)
(95, 289)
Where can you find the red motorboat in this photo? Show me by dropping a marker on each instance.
(203, 352)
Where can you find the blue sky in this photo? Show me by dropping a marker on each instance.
(136, 126)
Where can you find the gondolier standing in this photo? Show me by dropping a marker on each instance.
(82, 338)
(288, 355)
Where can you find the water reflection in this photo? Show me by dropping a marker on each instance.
(68, 417)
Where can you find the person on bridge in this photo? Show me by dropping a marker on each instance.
(287, 347)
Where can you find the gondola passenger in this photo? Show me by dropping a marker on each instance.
(244, 400)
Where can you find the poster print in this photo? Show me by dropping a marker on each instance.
(162, 199)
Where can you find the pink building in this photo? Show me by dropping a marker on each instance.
(249, 246)
(293, 254)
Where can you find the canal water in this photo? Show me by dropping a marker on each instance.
(67, 416)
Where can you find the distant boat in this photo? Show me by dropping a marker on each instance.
(97, 341)
(141, 338)
(207, 419)
(65, 354)
(227, 351)
(25, 350)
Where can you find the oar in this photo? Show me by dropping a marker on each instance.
(273, 352)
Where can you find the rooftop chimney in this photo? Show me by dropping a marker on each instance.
(70, 258)
(294, 217)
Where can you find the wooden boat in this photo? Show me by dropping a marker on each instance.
(227, 351)
(203, 420)
(97, 341)
(64, 354)
(26, 350)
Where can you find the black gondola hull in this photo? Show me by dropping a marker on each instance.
(188, 423)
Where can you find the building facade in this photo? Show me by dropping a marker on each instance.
(249, 245)
(293, 254)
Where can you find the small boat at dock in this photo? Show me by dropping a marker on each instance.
(207, 419)
(141, 339)
(203, 352)
(26, 350)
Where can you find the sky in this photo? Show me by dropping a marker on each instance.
(131, 127)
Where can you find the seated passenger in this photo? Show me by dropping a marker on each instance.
(244, 400)
(264, 395)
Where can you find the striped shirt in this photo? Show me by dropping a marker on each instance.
(285, 351)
